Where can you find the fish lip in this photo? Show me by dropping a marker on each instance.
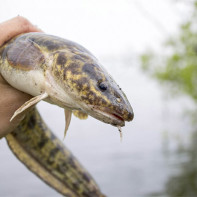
(111, 118)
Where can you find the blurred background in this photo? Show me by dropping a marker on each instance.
(150, 49)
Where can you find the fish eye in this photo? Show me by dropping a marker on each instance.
(102, 86)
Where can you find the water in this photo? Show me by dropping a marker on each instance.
(139, 166)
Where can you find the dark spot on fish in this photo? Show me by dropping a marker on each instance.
(51, 45)
(84, 98)
(90, 98)
(57, 74)
(104, 103)
(31, 122)
(32, 39)
(80, 83)
(71, 162)
(15, 133)
(78, 57)
(81, 57)
(89, 69)
(75, 185)
(73, 67)
(53, 152)
(53, 137)
(68, 195)
(64, 76)
(62, 167)
(86, 177)
(85, 193)
(42, 143)
(50, 161)
(93, 193)
(61, 60)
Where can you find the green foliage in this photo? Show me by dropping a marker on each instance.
(176, 68)
(177, 65)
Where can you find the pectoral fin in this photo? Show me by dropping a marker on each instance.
(29, 104)
(79, 114)
(68, 115)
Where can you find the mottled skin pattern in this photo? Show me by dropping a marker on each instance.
(66, 174)
(83, 75)
(88, 88)
(74, 68)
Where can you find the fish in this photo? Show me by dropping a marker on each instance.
(63, 73)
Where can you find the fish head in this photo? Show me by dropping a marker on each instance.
(88, 87)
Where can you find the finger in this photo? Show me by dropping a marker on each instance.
(14, 27)
(10, 101)
(2, 81)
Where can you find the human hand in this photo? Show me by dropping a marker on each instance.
(10, 98)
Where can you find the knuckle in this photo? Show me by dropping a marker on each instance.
(24, 23)
(22, 19)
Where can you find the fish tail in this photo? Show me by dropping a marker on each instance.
(45, 155)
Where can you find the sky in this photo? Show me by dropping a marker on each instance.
(104, 27)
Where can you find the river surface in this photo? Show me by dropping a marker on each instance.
(138, 166)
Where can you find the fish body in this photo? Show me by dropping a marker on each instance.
(66, 74)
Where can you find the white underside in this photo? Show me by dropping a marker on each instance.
(34, 82)
(31, 82)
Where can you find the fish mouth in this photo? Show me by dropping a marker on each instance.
(106, 116)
